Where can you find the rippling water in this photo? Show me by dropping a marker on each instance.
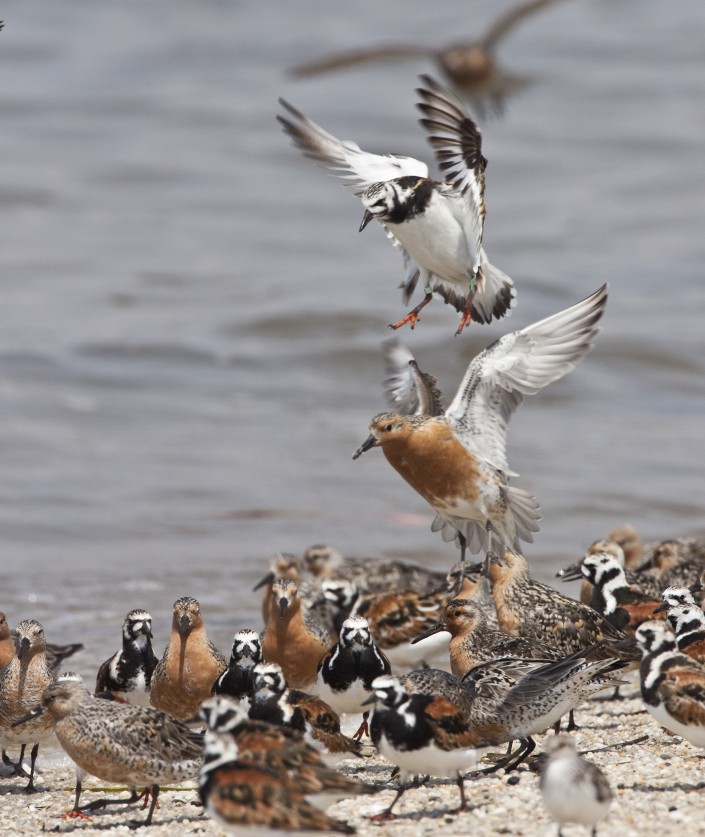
(190, 328)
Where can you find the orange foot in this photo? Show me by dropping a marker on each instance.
(412, 317)
(75, 814)
(465, 320)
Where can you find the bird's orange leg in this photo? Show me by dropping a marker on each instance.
(413, 315)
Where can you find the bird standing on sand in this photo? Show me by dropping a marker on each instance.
(127, 745)
(22, 683)
(127, 675)
(185, 675)
(573, 788)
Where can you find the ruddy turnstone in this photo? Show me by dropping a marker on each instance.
(625, 606)
(243, 796)
(469, 65)
(191, 664)
(424, 734)
(527, 607)
(438, 224)
(672, 684)
(293, 637)
(395, 619)
(128, 673)
(131, 745)
(688, 623)
(274, 702)
(237, 681)
(345, 674)
(645, 582)
(22, 683)
(280, 749)
(460, 467)
(573, 789)
(370, 575)
(473, 641)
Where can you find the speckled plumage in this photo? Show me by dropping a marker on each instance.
(526, 607)
(130, 745)
(22, 683)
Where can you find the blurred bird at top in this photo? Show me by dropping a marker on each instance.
(470, 65)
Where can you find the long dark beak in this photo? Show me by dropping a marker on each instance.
(33, 713)
(184, 625)
(434, 629)
(660, 609)
(371, 699)
(370, 442)
(268, 579)
(283, 604)
(23, 647)
(571, 573)
(366, 218)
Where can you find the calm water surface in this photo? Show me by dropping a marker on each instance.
(191, 325)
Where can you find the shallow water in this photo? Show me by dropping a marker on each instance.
(191, 325)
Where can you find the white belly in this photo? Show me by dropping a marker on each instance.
(431, 759)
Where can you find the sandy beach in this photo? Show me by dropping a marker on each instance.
(655, 781)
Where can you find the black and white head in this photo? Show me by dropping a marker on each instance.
(394, 201)
(676, 597)
(137, 625)
(685, 619)
(601, 568)
(269, 679)
(219, 749)
(654, 638)
(222, 714)
(355, 633)
(247, 648)
(339, 592)
(388, 691)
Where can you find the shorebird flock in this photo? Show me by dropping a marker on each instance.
(434, 670)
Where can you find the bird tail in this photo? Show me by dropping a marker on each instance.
(495, 294)
(525, 516)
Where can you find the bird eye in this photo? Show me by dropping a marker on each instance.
(388, 428)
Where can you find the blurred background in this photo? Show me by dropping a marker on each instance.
(190, 325)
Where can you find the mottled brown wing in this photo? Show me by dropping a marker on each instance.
(323, 723)
(683, 693)
(452, 729)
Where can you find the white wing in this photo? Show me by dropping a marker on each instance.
(344, 157)
(457, 144)
(519, 364)
(408, 389)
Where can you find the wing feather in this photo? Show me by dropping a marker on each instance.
(519, 364)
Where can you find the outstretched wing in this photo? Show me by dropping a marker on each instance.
(519, 364)
(343, 157)
(457, 144)
(408, 389)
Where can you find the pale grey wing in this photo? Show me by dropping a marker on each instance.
(408, 389)
(519, 364)
(457, 144)
(343, 157)
(356, 57)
